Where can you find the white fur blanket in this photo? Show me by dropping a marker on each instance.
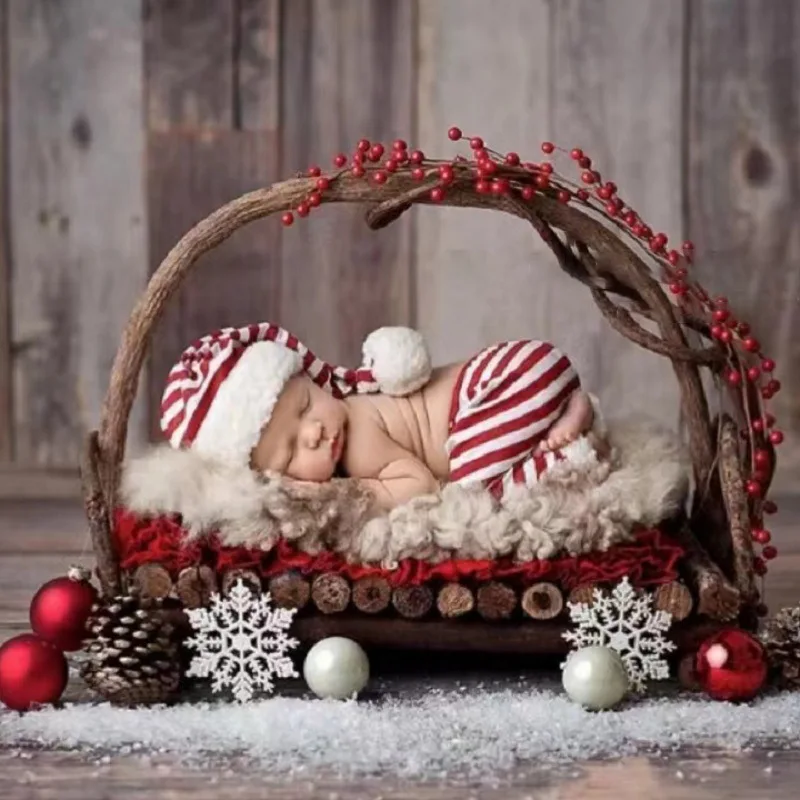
(573, 510)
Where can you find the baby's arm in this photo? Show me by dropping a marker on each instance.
(401, 480)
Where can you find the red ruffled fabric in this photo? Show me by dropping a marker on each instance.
(650, 560)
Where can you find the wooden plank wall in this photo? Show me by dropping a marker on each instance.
(127, 121)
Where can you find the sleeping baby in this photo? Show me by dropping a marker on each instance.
(257, 397)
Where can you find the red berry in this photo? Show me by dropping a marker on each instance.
(768, 365)
(687, 247)
(476, 143)
(720, 315)
(358, 171)
(673, 257)
(390, 165)
(761, 536)
(604, 193)
(363, 145)
(769, 507)
(564, 195)
(416, 157)
(315, 198)
(769, 552)
(753, 373)
(542, 181)
(401, 156)
(776, 436)
(657, 242)
(548, 147)
(340, 160)
(588, 176)
(454, 133)
(753, 488)
(380, 176)
(585, 162)
(437, 194)
(512, 159)
(773, 386)
(733, 377)
(743, 329)
(759, 567)
(500, 186)
(303, 209)
(481, 154)
(446, 173)
(576, 153)
(482, 186)
(358, 157)
(751, 344)
(582, 194)
(725, 336)
(757, 425)
(527, 192)
(611, 209)
(323, 184)
(417, 173)
(761, 458)
(314, 170)
(677, 288)
(376, 151)
(399, 144)
(611, 185)
(287, 219)
(546, 167)
(487, 167)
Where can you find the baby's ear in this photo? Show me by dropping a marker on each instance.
(398, 358)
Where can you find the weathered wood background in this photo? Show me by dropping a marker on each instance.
(124, 122)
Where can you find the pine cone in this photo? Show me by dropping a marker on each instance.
(781, 640)
(132, 653)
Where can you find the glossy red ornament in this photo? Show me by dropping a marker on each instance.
(512, 159)
(454, 134)
(437, 194)
(340, 160)
(576, 153)
(476, 143)
(60, 608)
(32, 672)
(548, 147)
(527, 192)
(731, 665)
(287, 218)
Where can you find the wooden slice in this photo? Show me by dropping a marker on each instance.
(330, 592)
(542, 600)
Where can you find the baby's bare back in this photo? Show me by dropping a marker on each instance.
(418, 423)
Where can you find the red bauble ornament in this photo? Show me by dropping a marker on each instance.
(731, 665)
(32, 672)
(59, 610)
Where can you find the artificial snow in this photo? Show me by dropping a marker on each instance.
(431, 733)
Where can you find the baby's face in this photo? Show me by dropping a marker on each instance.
(304, 438)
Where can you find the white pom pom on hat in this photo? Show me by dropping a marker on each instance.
(223, 389)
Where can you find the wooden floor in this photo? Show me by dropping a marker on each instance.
(39, 540)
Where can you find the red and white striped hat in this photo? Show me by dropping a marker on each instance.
(221, 393)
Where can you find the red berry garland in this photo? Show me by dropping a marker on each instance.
(748, 372)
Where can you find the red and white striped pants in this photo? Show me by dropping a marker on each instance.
(505, 400)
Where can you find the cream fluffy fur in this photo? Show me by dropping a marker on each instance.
(574, 509)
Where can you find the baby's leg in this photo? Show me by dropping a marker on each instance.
(576, 419)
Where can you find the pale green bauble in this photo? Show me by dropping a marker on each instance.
(595, 678)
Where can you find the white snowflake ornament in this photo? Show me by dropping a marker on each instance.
(626, 622)
(241, 642)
